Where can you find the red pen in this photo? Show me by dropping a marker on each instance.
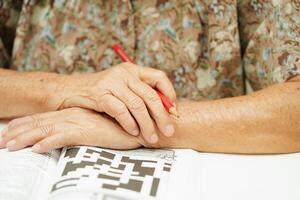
(169, 106)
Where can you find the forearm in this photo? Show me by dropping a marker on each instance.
(26, 93)
(263, 122)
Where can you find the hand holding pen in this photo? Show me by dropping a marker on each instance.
(169, 106)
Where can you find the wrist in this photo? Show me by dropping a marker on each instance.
(74, 91)
(54, 91)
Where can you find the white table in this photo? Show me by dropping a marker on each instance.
(233, 177)
(237, 177)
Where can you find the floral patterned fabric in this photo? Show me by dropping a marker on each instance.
(208, 48)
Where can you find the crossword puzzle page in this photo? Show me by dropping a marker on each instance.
(95, 173)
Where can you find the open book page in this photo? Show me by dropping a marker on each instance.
(24, 174)
(97, 173)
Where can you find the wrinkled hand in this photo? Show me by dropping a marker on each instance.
(73, 126)
(125, 92)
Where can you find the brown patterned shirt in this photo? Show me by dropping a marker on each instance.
(209, 48)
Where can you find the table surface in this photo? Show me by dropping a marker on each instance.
(241, 177)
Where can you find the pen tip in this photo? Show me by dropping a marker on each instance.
(173, 111)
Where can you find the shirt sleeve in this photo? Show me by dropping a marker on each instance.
(270, 40)
(4, 59)
(9, 16)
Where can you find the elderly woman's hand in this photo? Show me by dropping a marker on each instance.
(124, 92)
(73, 126)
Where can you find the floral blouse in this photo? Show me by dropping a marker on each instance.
(210, 49)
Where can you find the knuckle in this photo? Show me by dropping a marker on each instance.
(152, 96)
(118, 73)
(112, 72)
(103, 102)
(120, 69)
(161, 74)
(125, 65)
(121, 110)
(137, 104)
(47, 130)
(36, 121)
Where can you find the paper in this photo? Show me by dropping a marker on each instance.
(96, 173)
(25, 175)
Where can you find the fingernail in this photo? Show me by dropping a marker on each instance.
(169, 131)
(11, 144)
(4, 131)
(153, 138)
(136, 132)
(36, 148)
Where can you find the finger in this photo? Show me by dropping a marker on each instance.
(158, 79)
(153, 77)
(53, 142)
(139, 110)
(118, 110)
(18, 121)
(31, 137)
(154, 105)
(28, 119)
(33, 122)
